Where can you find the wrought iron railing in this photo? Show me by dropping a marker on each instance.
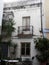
(25, 31)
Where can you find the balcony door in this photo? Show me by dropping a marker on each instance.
(26, 23)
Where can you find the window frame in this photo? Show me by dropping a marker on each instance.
(27, 27)
(25, 48)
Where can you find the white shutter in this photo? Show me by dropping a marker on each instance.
(24, 21)
(28, 22)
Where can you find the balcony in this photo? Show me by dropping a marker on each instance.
(25, 31)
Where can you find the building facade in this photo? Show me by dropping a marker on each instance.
(28, 24)
(46, 12)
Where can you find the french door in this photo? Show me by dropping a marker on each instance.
(26, 23)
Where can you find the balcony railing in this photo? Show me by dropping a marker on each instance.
(25, 31)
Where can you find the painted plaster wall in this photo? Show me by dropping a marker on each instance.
(33, 51)
(35, 19)
(46, 14)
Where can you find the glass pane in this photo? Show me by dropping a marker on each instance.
(24, 21)
(22, 51)
(27, 51)
(28, 21)
(27, 44)
(23, 45)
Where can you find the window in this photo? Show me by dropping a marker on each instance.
(25, 49)
(26, 22)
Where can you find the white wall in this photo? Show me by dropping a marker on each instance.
(33, 51)
(35, 19)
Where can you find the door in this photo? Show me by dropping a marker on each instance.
(26, 23)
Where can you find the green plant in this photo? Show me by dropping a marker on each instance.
(42, 45)
(8, 27)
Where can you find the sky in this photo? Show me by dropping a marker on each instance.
(11, 0)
